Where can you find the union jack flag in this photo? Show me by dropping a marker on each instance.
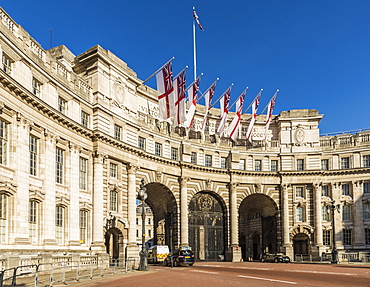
(195, 16)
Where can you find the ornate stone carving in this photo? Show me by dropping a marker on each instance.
(131, 168)
(158, 175)
(299, 135)
(118, 93)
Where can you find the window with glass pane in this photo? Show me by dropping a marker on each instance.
(83, 226)
(325, 164)
(223, 162)
(299, 191)
(59, 224)
(326, 237)
(149, 233)
(366, 187)
(367, 236)
(83, 173)
(325, 213)
(149, 221)
(32, 220)
(3, 142)
(36, 87)
(193, 157)
(174, 153)
(274, 165)
(208, 160)
(257, 165)
(325, 190)
(62, 105)
(33, 154)
(366, 160)
(366, 211)
(347, 236)
(141, 143)
(7, 64)
(113, 170)
(113, 202)
(344, 163)
(158, 149)
(3, 217)
(345, 189)
(59, 165)
(300, 164)
(85, 119)
(242, 164)
(117, 132)
(346, 213)
(300, 214)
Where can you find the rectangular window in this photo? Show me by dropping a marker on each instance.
(208, 160)
(7, 64)
(113, 170)
(174, 153)
(366, 211)
(149, 221)
(325, 213)
(59, 165)
(33, 146)
(366, 187)
(83, 226)
(345, 189)
(117, 132)
(346, 213)
(59, 224)
(193, 157)
(3, 142)
(325, 190)
(33, 220)
(141, 143)
(367, 236)
(3, 217)
(299, 191)
(158, 149)
(85, 119)
(325, 164)
(62, 105)
(83, 173)
(257, 165)
(366, 160)
(300, 164)
(300, 214)
(113, 200)
(36, 87)
(149, 233)
(326, 237)
(223, 162)
(274, 165)
(344, 163)
(347, 237)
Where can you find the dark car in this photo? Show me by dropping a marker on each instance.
(274, 257)
(179, 258)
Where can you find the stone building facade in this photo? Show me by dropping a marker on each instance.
(79, 133)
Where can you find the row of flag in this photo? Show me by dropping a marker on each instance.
(172, 103)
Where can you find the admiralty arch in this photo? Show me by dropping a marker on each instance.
(78, 134)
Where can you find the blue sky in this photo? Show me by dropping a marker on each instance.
(316, 52)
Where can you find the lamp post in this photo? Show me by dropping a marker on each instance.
(334, 253)
(143, 266)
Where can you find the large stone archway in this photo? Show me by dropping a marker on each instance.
(114, 238)
(258, 226)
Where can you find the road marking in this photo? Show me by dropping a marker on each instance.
(201, 271)
(267, 279)
(252, 268)
(322, 272)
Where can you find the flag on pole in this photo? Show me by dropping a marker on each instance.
(193, 97)
(255, 105)
(224, 108)
(197, 19)
(270, 108)
(208, 99)
(179, 99)
(165, 88)
(232, 130)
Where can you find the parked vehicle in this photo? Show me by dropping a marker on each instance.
(157, 253)
(274, 257)
(179, 258)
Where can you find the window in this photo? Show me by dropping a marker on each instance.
(344, 163)
(117, 132)
(149, 233)
(149, 221)
(223, 162)
(7, 64)
(3, 142)
(274, 165)
(242, 164)
(326, 237)
(325, 164)
(299, 191)
(62, 105)
(208, 160)
(325, 190)
(158, 149)
(193, 157)
(3, 217)
(346, 213)
(59, 165)
(85, 119)
(113, 170)
(59, 223)
(141, 143)
(137, 233)
(367, 236)
(366, 160)
(83, 226)
(366, 187)
(113, 200)
(33, 144)
(345, 189)
(33, 220)
(137, 221)
(257, 165)
(325, 213)
(300, 164)
(300, 217)
(347, 236)
(36, 87)
(174, 153)
(83, 173)
(366, 211)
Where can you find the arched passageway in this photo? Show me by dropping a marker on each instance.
(301, 244)
(114, 243)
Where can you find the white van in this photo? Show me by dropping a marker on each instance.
(158, 253)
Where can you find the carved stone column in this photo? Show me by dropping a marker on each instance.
(358, 222)
(184, 214)
(286, 236)
(318, 218)
(234, 242)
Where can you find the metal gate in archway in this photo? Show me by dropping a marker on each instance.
(206, 227)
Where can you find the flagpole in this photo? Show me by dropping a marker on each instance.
(221, 96)
(244, 92)
(157, 71)
(269, 102)
(174, 78)
(253, 101)
(207, 90)
(194, 49)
